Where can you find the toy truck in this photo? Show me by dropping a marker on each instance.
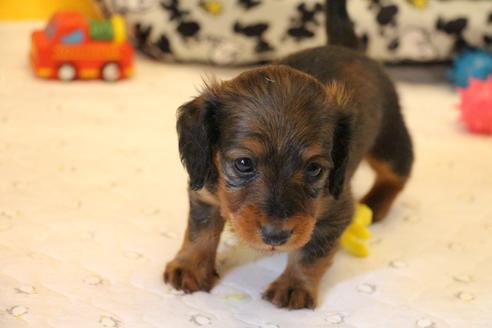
(72, 47)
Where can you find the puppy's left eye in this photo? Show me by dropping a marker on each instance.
(244, 165)
(314, 170)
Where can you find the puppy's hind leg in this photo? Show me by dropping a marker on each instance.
(391, 158)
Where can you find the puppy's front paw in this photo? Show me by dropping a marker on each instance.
(190, 277)
(290, 293)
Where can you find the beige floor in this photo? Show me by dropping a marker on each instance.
(92, 205)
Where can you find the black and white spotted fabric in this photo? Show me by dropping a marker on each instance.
(224, 32)
(396, 30)
(234, 32)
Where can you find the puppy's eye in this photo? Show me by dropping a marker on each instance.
(244, 165)
(314, 170)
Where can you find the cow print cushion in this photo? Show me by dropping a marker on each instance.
(234, 32)
(399, 30)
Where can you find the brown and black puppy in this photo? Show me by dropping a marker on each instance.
(273, 151)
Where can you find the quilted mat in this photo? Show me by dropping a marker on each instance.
(93, 204)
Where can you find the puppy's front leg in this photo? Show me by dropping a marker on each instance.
(193, 268)
(297, 286)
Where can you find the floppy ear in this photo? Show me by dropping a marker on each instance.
(340, 98)
(340, 154)
(198, 133)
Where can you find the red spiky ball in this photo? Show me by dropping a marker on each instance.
(476, 106)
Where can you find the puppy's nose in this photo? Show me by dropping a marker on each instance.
(274, 236)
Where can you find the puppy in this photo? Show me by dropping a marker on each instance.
(273, 151)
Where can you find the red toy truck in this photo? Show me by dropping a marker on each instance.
(72, 47)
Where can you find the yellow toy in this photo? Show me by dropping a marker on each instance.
(421, 4)
(357, 230)
(212, 7)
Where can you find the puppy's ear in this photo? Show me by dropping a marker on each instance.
(198, 134)
(340, 98)
(340, 154)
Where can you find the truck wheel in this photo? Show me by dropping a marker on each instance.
(111, 72)
(66, 72)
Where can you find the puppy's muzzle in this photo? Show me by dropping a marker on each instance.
(273, 235)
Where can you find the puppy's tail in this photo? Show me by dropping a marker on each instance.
(339, 27)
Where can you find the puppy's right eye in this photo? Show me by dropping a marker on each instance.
(244, 165)
(313, 170)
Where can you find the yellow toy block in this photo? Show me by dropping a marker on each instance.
(357, 231)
